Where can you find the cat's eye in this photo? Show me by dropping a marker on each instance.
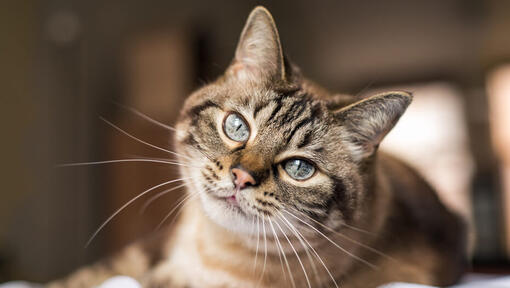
(299, 169)
(236, 128)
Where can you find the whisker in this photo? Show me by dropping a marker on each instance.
(129, 203)
(315, 252)
(359, 229)
(258, 240)
(182, 161)
(121, 161)
(181, 204)
(188, 197)
(295, 252)
(265, 250)
(334, 243)
(369, 233)
(283, 253)
(280, 253)
(142, 141)
(157, 196)
(350, 239)
(178, 213)
(305, 247)
(144, 116)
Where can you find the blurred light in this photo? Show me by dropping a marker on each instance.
(432, 137)
(498, 88)
(63, 27)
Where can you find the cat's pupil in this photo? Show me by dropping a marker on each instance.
(299, 169)
(235, 128)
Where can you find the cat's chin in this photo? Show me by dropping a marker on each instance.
(227, 213)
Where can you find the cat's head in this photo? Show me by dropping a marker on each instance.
(263, 142)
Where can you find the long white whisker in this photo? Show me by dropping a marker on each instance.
(181, 204)
(157, 196)
(334, 243)
(258, 240)
(179, 211)
(265, 250)
(305, 247)
(142, 141)
(129, 203)
(280, 253)
(284, 257)
(316, 254)
(295, 252)
(144, 116)
(121, 161)
(349, 238)
(359, 229)
(188, 197)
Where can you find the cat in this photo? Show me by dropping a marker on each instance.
(287, 189)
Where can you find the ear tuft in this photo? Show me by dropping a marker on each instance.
(369, 120)
(259, 53)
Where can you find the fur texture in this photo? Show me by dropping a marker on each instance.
(361, 220)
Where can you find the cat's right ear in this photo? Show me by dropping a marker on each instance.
(259, 55)
(366, 122)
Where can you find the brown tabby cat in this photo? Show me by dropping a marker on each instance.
(287, 189)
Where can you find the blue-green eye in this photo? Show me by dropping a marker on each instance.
(299, 169)
(236, 128)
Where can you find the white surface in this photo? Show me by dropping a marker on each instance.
(126, 282)
(120, 281)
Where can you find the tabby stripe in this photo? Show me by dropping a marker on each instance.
(297, 127)
(278, 107)
(316, 110)
(318, 216)
(279, 103)
(213, 174)
(195, 111)
(297, 109)
(191, 141)
(207, 178)
(287, 115)
(306, 140)
(316, 205)
(258, 108)
(344, 201)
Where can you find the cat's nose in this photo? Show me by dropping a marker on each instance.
(242, 178)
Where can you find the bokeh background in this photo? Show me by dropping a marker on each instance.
(63, 64)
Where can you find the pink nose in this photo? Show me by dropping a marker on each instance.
(242, 178)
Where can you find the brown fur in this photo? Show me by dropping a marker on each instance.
(363, 218)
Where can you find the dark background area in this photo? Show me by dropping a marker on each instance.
(63, 62)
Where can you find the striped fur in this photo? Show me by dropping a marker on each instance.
(363, 219)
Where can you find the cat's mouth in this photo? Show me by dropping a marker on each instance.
(231, 201)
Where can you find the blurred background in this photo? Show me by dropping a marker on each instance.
(64, 63)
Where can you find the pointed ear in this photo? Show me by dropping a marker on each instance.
(259, 53)
(367, 121)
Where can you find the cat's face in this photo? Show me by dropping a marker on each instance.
(284, 144)
(260, 143)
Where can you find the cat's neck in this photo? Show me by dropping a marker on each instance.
(212, 247)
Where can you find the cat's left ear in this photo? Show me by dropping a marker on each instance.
(366, 122)
(259, 55)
